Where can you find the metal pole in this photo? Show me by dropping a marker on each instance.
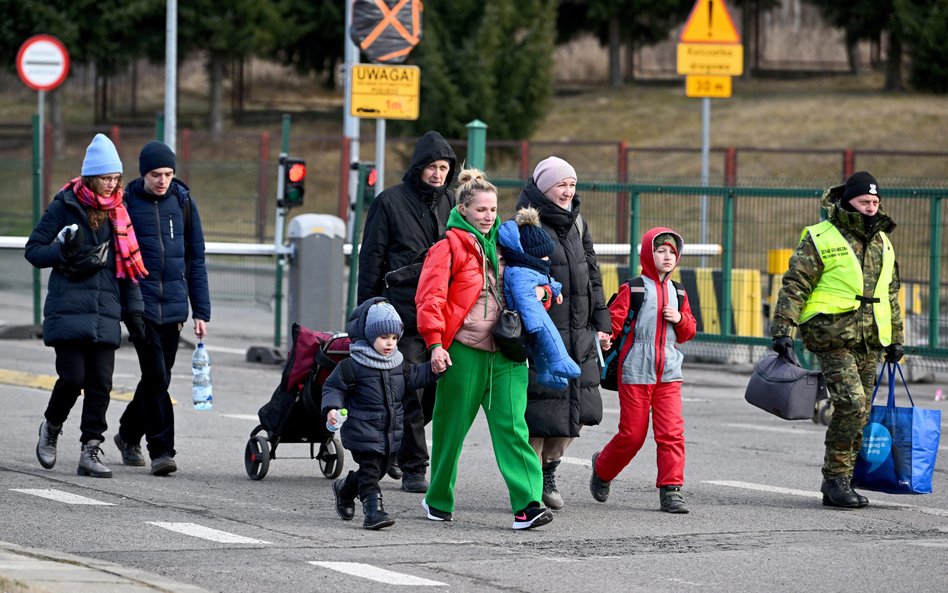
(171, 72)
(934, 272)
(37, 188)
(476, 144)
(379, 155)
(705, 158)
(350, 123)
(633, 237)
(727, 259)
(356, 237)
(278, 231)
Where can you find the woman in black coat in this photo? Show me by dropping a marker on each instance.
(87, 239)
(554, 416)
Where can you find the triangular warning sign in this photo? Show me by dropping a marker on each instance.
(709, 22)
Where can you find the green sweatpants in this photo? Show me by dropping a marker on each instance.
(490, 380)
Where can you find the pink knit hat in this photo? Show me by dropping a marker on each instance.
(551, 171)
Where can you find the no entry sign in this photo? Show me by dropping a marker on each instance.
(42, 62)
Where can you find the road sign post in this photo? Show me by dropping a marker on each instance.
(43, 64)
(709, 54)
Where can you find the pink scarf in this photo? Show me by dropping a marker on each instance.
(128, 256)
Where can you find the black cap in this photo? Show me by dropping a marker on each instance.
(859, 183)
(155, 155)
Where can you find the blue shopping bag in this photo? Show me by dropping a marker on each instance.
(899, 445)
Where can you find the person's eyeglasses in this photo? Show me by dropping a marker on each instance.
(110, 179)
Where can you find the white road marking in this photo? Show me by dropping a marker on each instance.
(816, 494)
(577, 461)
(253, 417)
(380, 575)
(773, 429)
(60, 496)
(195, 530)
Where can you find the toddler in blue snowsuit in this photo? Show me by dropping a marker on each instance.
(526, 248)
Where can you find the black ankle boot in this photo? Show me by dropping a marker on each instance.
(375, 515)
(345, 506)
(863, 501)
(837, 493)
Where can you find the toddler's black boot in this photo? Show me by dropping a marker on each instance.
(345, 505)
(375, 515)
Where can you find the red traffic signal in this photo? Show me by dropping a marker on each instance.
(296, 172)
(294, 176)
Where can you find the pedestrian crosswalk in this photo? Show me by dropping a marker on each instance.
(60, 496)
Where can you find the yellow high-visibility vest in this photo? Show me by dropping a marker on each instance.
(840, 288)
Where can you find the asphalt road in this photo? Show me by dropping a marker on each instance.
(752, 485)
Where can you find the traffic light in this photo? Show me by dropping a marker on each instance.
(368, 177)
(294, 178)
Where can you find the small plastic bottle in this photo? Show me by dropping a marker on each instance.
(201, 395)
(342, 415)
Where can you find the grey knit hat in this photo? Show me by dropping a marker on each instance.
(551, 171)
(381, 319)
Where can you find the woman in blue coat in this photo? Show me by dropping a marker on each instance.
(87, 239)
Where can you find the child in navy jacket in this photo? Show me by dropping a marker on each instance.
(378, 380)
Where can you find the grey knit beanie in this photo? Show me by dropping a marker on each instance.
(551, 171)
(381, 319)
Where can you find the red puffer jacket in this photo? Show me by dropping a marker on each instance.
(452, 280)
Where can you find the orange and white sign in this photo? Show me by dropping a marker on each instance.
(709, 22)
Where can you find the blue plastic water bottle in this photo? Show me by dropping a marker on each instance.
(342, 415)
(201, 395)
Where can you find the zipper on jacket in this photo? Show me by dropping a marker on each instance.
(661, 334)
(161, 244)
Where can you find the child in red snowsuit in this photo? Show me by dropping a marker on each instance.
(650, 372)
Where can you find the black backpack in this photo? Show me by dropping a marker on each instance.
(609, 379)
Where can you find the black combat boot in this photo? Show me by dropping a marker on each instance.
(375, 515)
(863, 501)
(838, 493)
(345, 506)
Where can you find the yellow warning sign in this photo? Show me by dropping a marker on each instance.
(385, 92)
(722, 59)
(709, 22)
(718, 87)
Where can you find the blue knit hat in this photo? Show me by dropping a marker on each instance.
(381, 319)
(101, 157)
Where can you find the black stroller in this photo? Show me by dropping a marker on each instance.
(293, 414)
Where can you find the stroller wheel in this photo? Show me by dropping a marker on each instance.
(331, 458)
(257, 457)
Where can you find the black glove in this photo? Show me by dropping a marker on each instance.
(135, 324)
(783, 345)
(70, 240)
(894, 352)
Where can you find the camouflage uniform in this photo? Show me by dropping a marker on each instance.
(846, 344)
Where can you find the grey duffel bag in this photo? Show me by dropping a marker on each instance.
(785, 389)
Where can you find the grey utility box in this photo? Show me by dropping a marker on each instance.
(317, 275)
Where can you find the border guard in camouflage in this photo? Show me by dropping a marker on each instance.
(841, 290)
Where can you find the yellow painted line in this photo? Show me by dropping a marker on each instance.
(46, 382)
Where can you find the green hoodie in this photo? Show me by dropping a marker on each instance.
(488, 242)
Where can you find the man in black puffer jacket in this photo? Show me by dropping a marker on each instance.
(172, 246)
(402, 223)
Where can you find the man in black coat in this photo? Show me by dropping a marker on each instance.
(402, 223)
